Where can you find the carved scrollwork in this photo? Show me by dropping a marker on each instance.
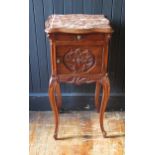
(79, 60)
(79, 80)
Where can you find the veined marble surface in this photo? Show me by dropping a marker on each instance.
(77, 23)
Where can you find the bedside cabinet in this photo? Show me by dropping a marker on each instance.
(79, 54)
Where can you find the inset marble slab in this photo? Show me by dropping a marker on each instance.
(77, 23)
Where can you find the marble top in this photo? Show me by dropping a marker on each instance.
(77, 23)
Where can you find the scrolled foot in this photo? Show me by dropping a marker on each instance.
(103, 130)
(55, 136)
(104, 134)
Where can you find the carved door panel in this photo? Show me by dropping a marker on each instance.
(79, 59)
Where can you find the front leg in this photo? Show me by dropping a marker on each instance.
(97, 95)
(105, 96)
(58, 95)
(52, 89)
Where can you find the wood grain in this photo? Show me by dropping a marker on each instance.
(80, 134)
(78, 59)
(97, 94)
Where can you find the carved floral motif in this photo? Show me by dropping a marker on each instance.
(78, 80)
(79, 60)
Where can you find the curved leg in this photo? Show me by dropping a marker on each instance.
(52, 87)
(97, 94)
(106, 92)
(58, 95)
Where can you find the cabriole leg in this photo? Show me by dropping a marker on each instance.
(52, 89)
(105, 96)
(58, 95)
(97, 94)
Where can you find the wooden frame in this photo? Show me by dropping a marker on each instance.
(84, 66)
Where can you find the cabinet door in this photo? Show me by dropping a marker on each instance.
(79, 59)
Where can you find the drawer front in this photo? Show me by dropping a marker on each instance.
(79, 59)
(79, 37)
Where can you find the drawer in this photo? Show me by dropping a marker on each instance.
(79, 37)
(79, 59)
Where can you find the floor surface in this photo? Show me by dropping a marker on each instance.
(80, 133)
